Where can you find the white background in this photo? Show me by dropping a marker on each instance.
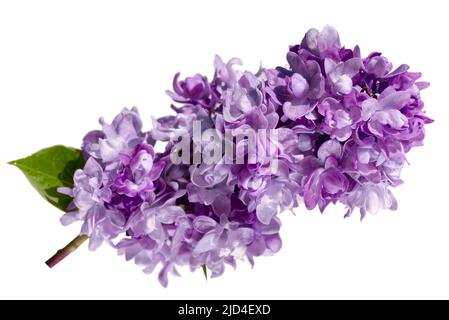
(65, 63)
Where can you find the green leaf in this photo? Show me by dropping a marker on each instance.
(204, 267)
(51, 168)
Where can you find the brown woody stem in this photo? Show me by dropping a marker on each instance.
(64, 252)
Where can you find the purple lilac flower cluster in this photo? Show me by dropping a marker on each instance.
(343, 125)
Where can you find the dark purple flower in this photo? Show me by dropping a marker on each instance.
(191, 90)
(324, 186)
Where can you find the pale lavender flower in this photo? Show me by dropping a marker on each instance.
(343, 126)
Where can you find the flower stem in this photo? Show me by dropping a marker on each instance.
(64, 252)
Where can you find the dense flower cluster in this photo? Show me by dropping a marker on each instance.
(343, 125)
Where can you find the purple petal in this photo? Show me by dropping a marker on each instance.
(204, 224)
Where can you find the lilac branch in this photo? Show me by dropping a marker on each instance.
(64, 252)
